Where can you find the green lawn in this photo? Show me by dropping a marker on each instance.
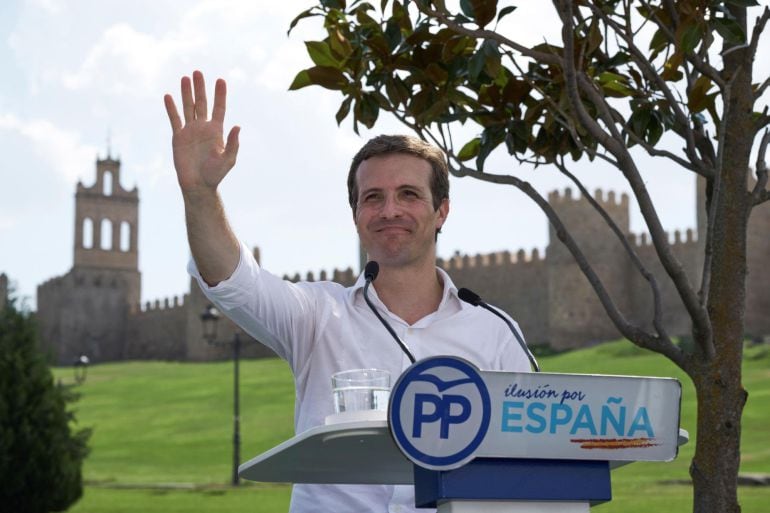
(162, 433)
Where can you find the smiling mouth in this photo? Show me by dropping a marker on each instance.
(387, 229)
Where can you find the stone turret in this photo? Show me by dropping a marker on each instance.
(572, 303)
(86, 310)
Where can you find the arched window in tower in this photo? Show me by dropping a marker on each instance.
(125, 236)
(106, 234)
(88, 233)
(107, 183)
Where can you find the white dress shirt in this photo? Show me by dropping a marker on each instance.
(321, 328)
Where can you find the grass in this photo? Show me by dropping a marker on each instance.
(162, 433)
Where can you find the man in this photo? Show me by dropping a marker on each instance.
(399, 193)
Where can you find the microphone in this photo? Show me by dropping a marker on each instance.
(371, 270)
(474, 299)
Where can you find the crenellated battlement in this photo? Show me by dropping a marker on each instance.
(545, 292)
(52, 284)
(343, 276)
(606, 200)
(674, 238)
(164, 304)
(490, 260)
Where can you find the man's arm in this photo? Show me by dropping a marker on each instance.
(202, 160)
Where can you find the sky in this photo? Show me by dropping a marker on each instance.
(82, 78)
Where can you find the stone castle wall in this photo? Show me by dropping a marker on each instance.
(94, 309)
(86, 312)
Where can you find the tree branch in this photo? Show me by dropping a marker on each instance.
(712, 208)
(628, 330)
(657, 316)
(761, 89)
(444, 18)
(759, 27)
(652, 76)
(654, 152)
(673, 267)
(761, 169)
(609, 141)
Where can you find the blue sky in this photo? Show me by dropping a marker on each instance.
(76, 71)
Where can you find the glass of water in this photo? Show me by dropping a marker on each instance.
(360, 390)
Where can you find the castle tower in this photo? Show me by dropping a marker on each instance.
(575, 315)
(86, 310)
(106, 221)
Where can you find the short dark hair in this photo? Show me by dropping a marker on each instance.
(409, 145)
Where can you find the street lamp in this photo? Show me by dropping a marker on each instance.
(210, 319)
(80, 367)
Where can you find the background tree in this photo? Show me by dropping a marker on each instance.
(40, 457)
(623, 74)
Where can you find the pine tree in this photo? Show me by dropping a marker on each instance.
(40, 456)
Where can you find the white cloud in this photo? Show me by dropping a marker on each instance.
(49, 6)
(6, 222)
(125, 60)
(61, 149)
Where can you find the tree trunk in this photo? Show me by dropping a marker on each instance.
(714, 469)
(721, 396)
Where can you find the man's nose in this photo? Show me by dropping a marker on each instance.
(391, 207)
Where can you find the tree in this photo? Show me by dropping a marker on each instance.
(40, 457)
(623, 74)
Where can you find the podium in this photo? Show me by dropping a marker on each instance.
(504, 469)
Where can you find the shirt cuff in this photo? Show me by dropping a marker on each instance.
(232, 287)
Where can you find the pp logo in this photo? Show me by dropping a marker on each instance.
(439, 412)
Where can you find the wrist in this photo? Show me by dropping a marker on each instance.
(201, 195)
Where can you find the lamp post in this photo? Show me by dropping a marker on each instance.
(80, 368)
(210, 319)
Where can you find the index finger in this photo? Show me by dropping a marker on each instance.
(220, 99)
(173, 114)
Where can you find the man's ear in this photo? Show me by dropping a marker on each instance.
(443, 212)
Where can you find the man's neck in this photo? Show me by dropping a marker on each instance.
(410, 292)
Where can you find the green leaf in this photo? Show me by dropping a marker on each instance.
(476, 65)
(505, 11)
(615, 85)
(333, 4)
(301, 80)
(484, 11)
(344, 109)
(367, 110)
(658, 42)
(304, 14)
(671, 71)
(321, 54)
(742, 3)
(729, 29)
(470, 149)
(697, 99)
(654, 131)
(690, 37)
(467, 8)
(324, 76)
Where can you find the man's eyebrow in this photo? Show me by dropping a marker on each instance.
(370, 189)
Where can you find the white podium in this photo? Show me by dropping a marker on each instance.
(513, 458)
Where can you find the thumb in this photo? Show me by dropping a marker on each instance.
(231, 147)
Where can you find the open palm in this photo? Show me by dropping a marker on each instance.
(201, 156)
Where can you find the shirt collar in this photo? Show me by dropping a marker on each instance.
(450, 302)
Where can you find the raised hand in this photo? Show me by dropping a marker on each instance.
(201, 157)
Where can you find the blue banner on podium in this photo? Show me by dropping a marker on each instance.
(444, 412)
